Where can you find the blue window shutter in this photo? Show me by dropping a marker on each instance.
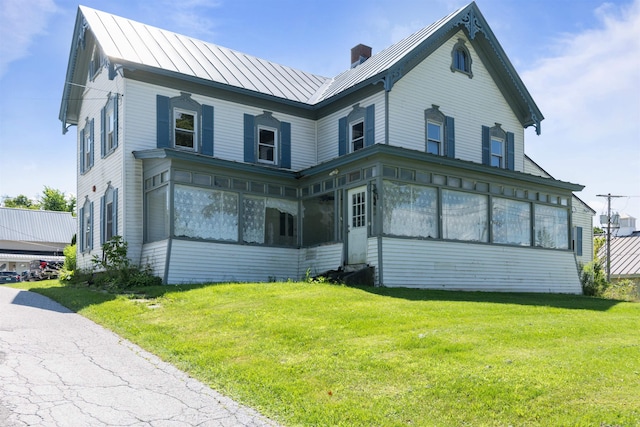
(249, 139)
(90, 245)
(115, 212)
(92, 141)
(115, 120)
(163, 125)
(207, 130)
(579, 241)
(450, 137)
(103, 126)
(82, 225)
(285, 145)
(486, 141)
(370, 125)
(103, 217)
(342, 136)
(510, 151)
(82, 151)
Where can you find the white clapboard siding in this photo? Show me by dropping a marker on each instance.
(198, 262)
(460, 266)
(319, 259)
(472, 102)
(154, 256)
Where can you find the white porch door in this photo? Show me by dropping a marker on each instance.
(357, 227)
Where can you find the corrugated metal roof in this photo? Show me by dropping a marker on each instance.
(124, 40)
(25, 225)
(625, 255)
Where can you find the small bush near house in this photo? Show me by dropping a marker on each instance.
(593, 279)
(114, 271)
(625, 289)
(69, 266)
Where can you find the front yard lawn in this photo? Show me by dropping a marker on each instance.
(326, 355)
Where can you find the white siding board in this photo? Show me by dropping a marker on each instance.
(319, 259)
(154, 255)
(476, 267)
(472, 102)
(198, 262)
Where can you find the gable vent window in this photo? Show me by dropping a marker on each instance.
(461, 59)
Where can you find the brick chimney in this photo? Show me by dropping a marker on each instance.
(359, 54)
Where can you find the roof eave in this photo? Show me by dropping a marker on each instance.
(77, 40)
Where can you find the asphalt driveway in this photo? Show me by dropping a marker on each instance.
(58, 368)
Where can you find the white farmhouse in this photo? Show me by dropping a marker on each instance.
(218, 166)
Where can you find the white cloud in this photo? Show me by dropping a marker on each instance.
(589, 92)
(20, 22)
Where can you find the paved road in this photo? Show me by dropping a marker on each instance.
(59, 369)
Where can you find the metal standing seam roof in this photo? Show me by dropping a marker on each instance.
(28, 225)
(125, 41)
(128, 41)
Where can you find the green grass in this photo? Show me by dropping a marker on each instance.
(326, 355)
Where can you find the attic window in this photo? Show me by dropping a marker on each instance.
(96, 63)
(461, 59)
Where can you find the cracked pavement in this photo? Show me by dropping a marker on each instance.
(58, 368)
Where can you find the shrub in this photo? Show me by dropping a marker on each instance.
(593, 280)
(114, 271)
(625, 289)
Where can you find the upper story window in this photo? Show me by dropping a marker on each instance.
(184, 124)
(439, 132)
(357, 130)
(267, 147)
(357, 135)
(96, 63)
(184, 128)
(461, 59)
(86, 147)
(109, 126)
(498, 148)
(267, 140)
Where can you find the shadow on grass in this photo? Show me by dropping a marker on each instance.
(576, 302)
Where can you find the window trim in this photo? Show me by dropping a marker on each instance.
(461, 48)
(87, 140)
(194, 113)
(86, 226)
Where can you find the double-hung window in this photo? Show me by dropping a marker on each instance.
(109, 126)
(357, 135)
(434, 137)
(185, 125)
(267, 145)
(439, 132)
(86, 147)
(86, 226)
(461, 59)
(497, 151)
(109, 214)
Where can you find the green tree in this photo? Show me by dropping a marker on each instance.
(20, 201)
(54, 200)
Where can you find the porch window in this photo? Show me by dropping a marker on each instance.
(157, 214)
(205, 214)
(465, 216)
(511, 222)
(319, 219)
(270, 221)
(410, 210)
(551, 227)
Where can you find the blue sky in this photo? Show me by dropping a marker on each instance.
(580, 60)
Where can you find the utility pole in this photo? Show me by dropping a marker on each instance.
(609, 197)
